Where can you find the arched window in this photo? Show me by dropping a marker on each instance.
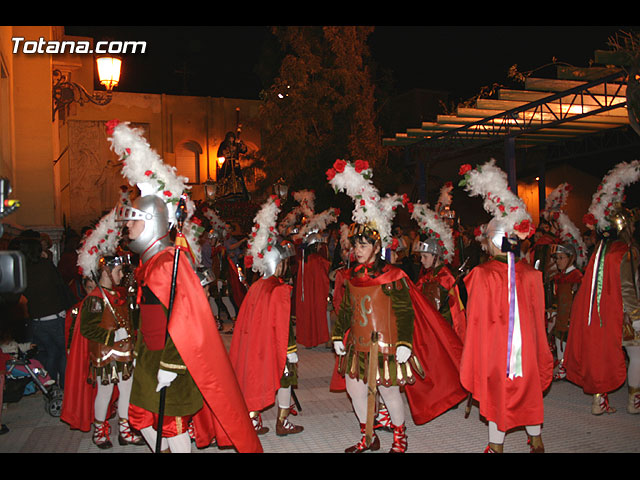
(188, 160)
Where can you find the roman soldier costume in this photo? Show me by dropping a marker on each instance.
(101, 351)
(312, 281)
(436, 282)
(263, 349)
(606, 311)
(386, 336)
(506, 363)
(182, 358)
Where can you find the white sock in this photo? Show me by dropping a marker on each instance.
(180, 443)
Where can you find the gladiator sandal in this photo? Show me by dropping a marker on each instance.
(383, 420)
(535, 444)
(101, 432)
(494, 448)
(191, 430)
(561, 372)
(399, 439)
(361, 446)
(285, 427)
(601, 405)
(256, 419)
(127, 435)
(633, 406)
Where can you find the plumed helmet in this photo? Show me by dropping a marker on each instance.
(496, 232)
(566, 248)
(112, 261)
(153, 211)
(429, 245)
(278, 253)
(622, 218)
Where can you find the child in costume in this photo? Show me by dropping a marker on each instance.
(569, 257)
(506, 363)
(437, 283)
(263, 349)
(312, 281)
(101, 353)
(387, 336)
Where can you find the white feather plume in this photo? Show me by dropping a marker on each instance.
(556, 200)
(445, 198)
(570, 234)
(214, 218)
(143, 167)
(264, 233)
(432, 225)
(369, 208)
(490, 182)
(100, 241)
(611, 191)
(319, 222)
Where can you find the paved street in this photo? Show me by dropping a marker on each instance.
(330, 425)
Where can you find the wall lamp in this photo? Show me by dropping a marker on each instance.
(66, 92)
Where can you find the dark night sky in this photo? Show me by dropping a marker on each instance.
(456, 59)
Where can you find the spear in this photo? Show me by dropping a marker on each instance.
(181, 215)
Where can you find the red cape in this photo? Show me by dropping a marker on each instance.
(192, 328)
(311, 314)
(594, 357)
(458, 317)
(508, 403)
(437, 347)
(237, 288)
(260, 339)
(79, 395)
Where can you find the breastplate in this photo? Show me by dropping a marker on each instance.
(431, 291)
(121, 351)
(372, 311)
(564, 299)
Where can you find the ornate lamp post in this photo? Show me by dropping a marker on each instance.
(66, 92)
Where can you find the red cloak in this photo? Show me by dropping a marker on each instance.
(483, 367)
(446, 279)
(79, 395)
(258, 349)
(236, 288)
(311, 312)
(594, 358)
(192, 328)
(437, 347)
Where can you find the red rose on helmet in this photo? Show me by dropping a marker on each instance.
(464, 169)
(111, 124)
(589, 219)
(330, 174)
(361, 165)
(339, 165)
(523, 227)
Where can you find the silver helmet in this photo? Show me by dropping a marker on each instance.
(313, 236)
(495, 232)
(278, 253)
(153, 211)
(566, 248)
(429, 245)
(205, 275)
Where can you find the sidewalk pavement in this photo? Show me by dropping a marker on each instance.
(330, 424)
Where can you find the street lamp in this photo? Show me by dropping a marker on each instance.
(66, 92)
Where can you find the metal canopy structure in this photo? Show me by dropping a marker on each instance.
(545, 112)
